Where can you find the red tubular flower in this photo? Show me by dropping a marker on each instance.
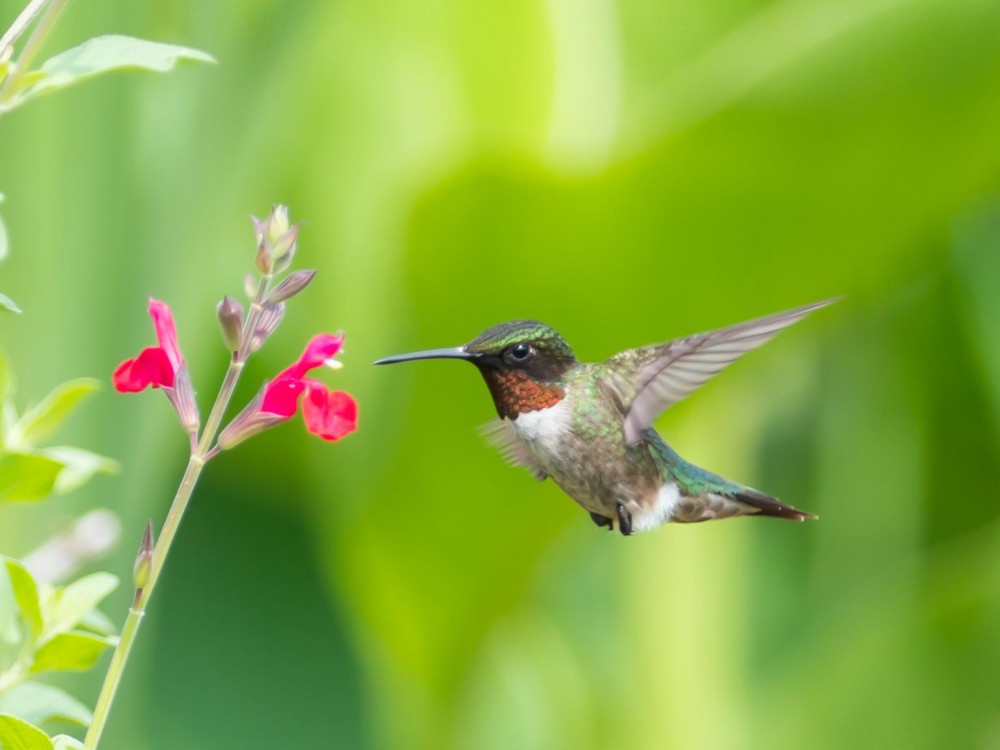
(327, 414)
(161, 367)
(156, 366)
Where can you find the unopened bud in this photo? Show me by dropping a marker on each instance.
(276, 224)
(144, 560)
(230, 314)
(284, 249)
(275, 240)
(264, 259)
(182, 398)
(294, 283)
(250, 286)
(270, 317)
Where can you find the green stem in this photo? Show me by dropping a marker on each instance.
(195, 465)
(22, 22)
(31, 48)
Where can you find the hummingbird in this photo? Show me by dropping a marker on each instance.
(588, 425)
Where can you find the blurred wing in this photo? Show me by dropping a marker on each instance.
(666, 373)
(500, 434)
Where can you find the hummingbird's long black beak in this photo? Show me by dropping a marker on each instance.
(455, 352)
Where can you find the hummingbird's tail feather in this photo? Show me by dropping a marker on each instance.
(766, 505)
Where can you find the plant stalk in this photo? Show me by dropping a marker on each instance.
(22, 21)
(196, 463)
(32, 46)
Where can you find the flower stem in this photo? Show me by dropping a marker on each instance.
(22, 21)
(33, 44)
(199, 456)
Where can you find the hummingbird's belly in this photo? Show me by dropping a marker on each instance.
(587, 459)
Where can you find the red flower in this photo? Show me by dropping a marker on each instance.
(156, 366)
(161, 367)
(328, 414)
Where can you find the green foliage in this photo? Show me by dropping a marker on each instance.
(95, 57)
(38, 704)
(46, 628)
(29, 472)
(16, 734)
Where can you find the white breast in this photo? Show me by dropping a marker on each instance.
(544, 429)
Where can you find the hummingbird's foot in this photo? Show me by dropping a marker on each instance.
(624, 520)
(602, 521)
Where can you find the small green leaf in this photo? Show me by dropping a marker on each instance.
(65, 742)
(64, 608)
(105, 53)
(20, 735)
(37, 703)
(79, 466)
(42, 420)
(6, 303)
(26, 594)
(27, 476)
(96, 621)
(12, 630)
(73, 651)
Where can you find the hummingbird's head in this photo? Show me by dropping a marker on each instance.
(522, 361)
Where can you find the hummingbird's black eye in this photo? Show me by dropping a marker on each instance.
(520, 351)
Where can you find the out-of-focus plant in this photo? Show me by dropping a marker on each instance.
(43, 627)
(327, 414)
(47, 628)
(20, 82)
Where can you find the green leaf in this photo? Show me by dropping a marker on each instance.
(27, 476)
(26, 594)
(64, 608)
(38, 703)
(42, 420)
(96, 621)
(106, 53)
(72, 651)
(6, 303)
(79, 466)
(11, 629)
(65, 742)
(20, 735)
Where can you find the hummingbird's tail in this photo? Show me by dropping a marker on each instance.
(765, 505)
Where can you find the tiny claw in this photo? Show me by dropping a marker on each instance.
(624, 520)
(602, 521)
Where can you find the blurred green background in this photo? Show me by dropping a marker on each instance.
(628, 172)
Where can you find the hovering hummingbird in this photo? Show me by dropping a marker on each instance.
(588, 425)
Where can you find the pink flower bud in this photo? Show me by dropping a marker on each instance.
(230, 314)
(144, 560)
(294, 283)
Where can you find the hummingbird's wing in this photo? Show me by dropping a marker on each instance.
(648, 380)
(500, 434)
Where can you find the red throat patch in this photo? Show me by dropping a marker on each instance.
(515, 392)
